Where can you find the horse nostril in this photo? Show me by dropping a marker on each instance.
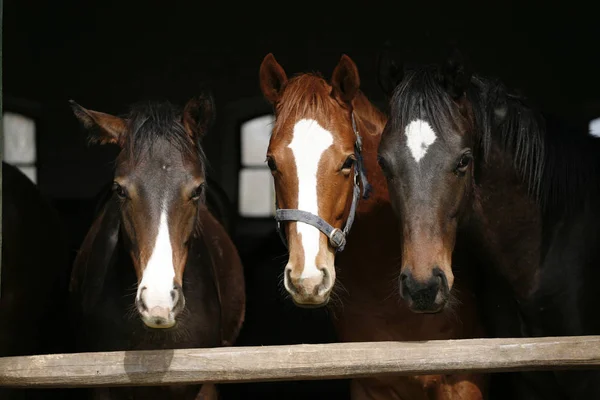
(141, 302)
(175, 293)
(404, 277)
(443, 280)
(288, 283)
(178, 299)
(326, 281)
(406, 283)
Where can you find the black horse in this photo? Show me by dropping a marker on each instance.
(156, 269)
(35, 266)
(478, 176)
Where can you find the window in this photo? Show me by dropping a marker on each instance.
(595, 127)
(256, 197)
(19, 143)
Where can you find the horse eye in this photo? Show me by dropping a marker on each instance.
(382, 163)
(271, 164)
(348, 163)
(118, 189)
(198, 191)
(464, 162)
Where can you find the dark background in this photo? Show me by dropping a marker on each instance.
(109, 54)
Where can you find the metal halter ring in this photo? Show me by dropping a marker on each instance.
(337, 238)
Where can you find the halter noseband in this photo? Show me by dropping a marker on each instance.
(337, 237)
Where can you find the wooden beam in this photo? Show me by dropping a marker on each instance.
(298, 362)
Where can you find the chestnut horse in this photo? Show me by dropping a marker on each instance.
(474, 171)
(336, 218)
(156, 269)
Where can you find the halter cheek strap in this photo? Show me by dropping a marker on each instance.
(337, 237)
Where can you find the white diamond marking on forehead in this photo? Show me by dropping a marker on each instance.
(419, 136)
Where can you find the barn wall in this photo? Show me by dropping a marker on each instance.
(108, 54)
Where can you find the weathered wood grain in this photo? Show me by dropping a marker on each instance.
(299, 362)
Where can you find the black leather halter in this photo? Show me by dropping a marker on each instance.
(337, 237)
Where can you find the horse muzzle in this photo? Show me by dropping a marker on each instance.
(157, 311)
(424, 296)
(309, 291)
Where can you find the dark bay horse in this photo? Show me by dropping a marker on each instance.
(35, 268)
(475, 172)
(323, 156)
(156, 269)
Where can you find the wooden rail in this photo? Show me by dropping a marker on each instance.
(298, 362)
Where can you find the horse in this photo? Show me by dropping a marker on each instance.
(156, 269)
(334, 214)
(35, 268)
(477, 171)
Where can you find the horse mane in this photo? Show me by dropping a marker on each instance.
(305, 94)
(506, 117)
(149, 121)
(558, 170)
(572, 167)
(560, 167)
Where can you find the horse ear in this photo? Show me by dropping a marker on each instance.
(345, 79)
(104, 128)
(272, 78)
(389, 74)
(95, 256)
(455, 75)
(199, 115)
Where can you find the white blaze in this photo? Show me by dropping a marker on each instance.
(309, 142)
(419, 136)
(159, 273)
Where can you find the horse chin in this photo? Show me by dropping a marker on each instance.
(151, 323)
(312, 304)
(437, 307)
(433, 310)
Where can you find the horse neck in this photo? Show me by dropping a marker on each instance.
(507, 222)
(375, 235)
(568, 185)
(370, 122)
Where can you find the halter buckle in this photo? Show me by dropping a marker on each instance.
(337, 238)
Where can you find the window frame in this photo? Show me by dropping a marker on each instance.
(256, 167)
(229, 165)
(237, 112)
(594, 121)
(29, 109)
